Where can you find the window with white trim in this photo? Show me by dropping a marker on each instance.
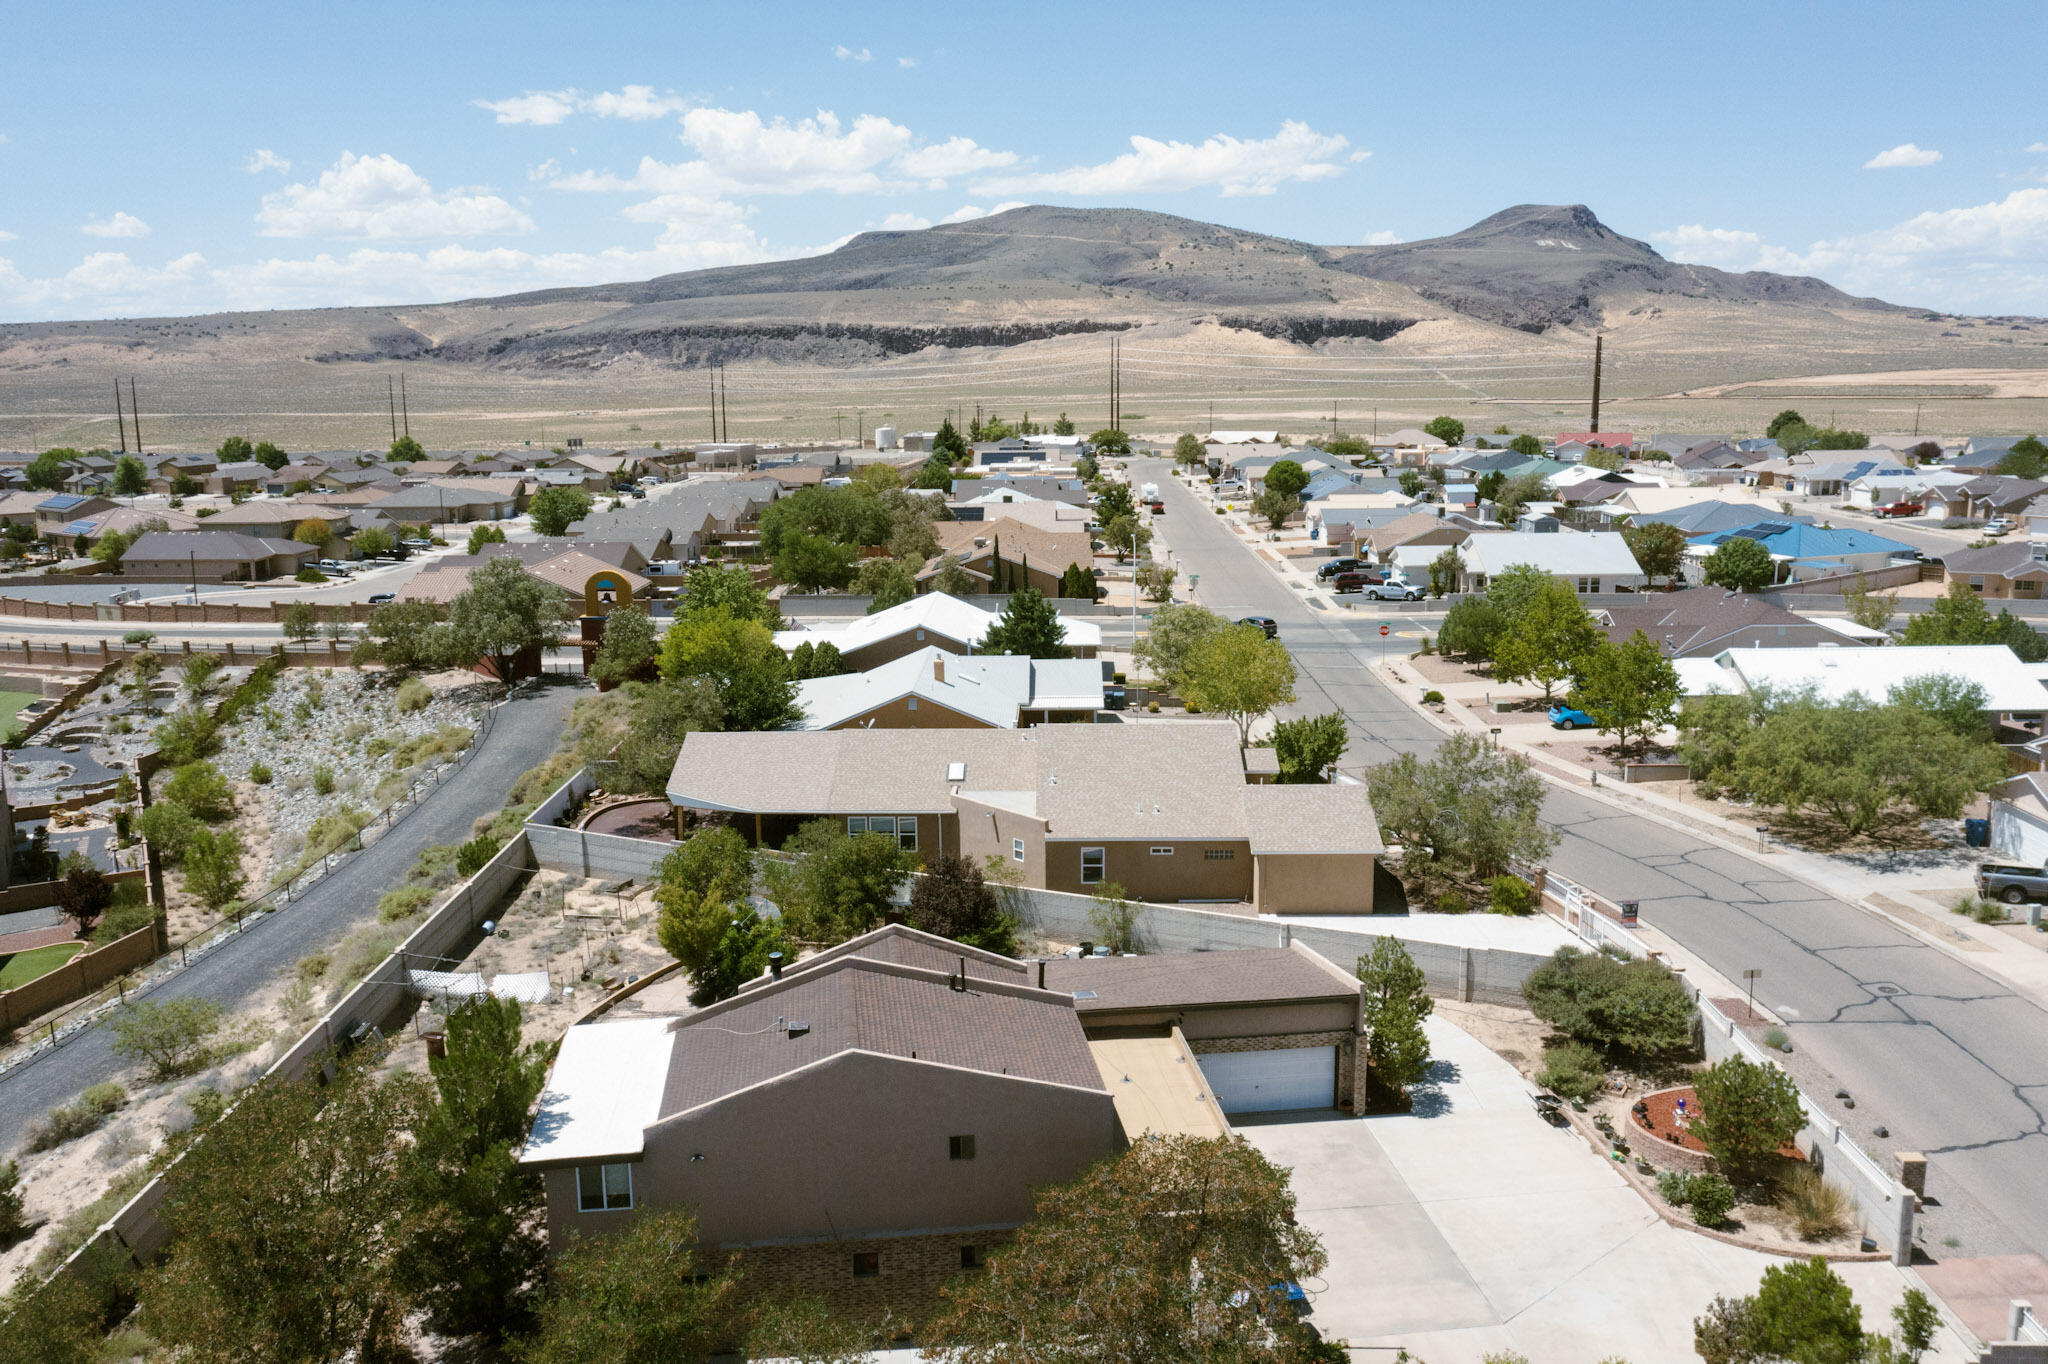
(902, 828)
(1094, 862)
(913, 703)
(604, 1188)
(1016, 850)
(1162, 852)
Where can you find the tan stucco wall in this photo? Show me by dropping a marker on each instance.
(1314, 883)
(1186, 875)
(982, 831)
(928, 715)
(858, 1146)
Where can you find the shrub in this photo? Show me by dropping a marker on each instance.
(201, 788)
(1816, 1209)
(1574, 1070)
(1983, 911)
(170, 829)
(187, 737)
(414, 695)
(259, 774)
(1638, 1006)
(1511, 895)
(171, 1037)
(1450, 902)
(1675, 1186)
(129, 911)
(444, 742)
(12, 1222)
(471, 856)
(403, 903)
(138, 637)
(309, 574)
(1776, 1039)
(86, 1115)
(323, 781)
(1432, 698)
(1748, 1113)
(1152, 707)
(330, 832)
(1712, 1199)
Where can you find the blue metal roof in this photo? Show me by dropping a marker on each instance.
(1792, 540)
(61, 502)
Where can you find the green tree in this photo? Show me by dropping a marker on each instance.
(1444, 572)
(1240, 674)
(851, 516)
(811, 562)
(806, 1330)
(1470, 629)
(739, 955)
(1517, 493)
(1286, 477)
(505, 612)
(1784, 419)
(638, 1294)
(1276, 507)
(1832, 439)
(1798, 438)
(484, 533)
(1659, 548)
(554, 510)
(269, 456)
(748, 674)
(1064, 426)
(131, 476)
(234, 450)
(1524, 444)
(170, 1037)
(2028, 458)
(1110, 441)
(953, 900)
(473, 1252)
(1633, 1006)
(1489, 484)
(1547, 641)
(373, 542)
(1189, 451)
(840, 884)
(1918, 1319)
(213, 868)
(58, 1320)
(1394, 1000)
(629, 649)
(726, 590)
(406, 450)
(406, 636)
(954, 580)
(315, 532)
(1802, 1313)
(1126, 536)
(46, 472)
(1741, 565)
(110, 548)
(1411, 483)
(170, 829)
(1748, 1113)
(1308, 748)
(300, 623)
(1169, 646)
(663, 715)
(1167, 1251)
(1871, 610)
(1958, 703)
(700, 880)
(201, 788)
(1029, 626)
(1078, 583)
(1155, 580)
(934, 473)
(889, 582)
(948, 444)
(1962, 618)
(1449, 430)
(1464, 815)
(1628, 689)
(1601, 458)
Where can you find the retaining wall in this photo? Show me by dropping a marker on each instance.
(84, 973)
(609, 857)
(100, 653)
(146, 612)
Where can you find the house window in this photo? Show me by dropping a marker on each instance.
(961, 1148)
(1976, 582)
(867, 1264)
(920, 634)
(604, 1188)
(1162, 852)
(1588, 585)
(971, 1257)
(1016, 850)
(1219, 854)
(902, 828)
(1092, 863)
(913, 703)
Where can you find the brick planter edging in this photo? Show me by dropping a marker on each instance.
(1668, 1152)
(1646, 1186)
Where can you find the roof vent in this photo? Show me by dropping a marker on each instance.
(956, 771)
(1084, 994)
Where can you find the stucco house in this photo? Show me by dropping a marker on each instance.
(1591, 561)
(1029, 556)
(1169, 812)
(214, 556)
(931, 619)
(936, 689)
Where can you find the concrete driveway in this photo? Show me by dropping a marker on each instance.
(1471, 1226)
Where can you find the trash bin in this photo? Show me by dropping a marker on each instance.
(1977, 832)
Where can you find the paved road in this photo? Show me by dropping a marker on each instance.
(524, 734)
(1954, 1063)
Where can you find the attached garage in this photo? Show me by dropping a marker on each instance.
(1272, 1081)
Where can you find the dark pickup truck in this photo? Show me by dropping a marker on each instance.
(2012, 884)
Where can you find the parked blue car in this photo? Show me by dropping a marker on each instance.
(1569, 717)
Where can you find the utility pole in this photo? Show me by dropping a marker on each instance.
(1596, 384)
(121, 418)
(724, 406)
(135, 414)
(711, 377)
(405, 408)
(391, 401)
(1916, 411)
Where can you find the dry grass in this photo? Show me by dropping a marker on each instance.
(1814, 1208)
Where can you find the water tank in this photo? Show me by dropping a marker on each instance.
(885, 438)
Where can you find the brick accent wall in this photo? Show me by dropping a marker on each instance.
(1347, 1055)
(910, 1270)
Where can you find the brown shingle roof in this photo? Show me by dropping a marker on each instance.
(907, 946)
(859, 1005)
(1048, 550)
(1253, 975)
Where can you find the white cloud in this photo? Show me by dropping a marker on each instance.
(546, 108)
(6, 236)
(381, 198)
(847, 54)
(902, 222)
(120, 225)
(638, 103)
(954, 156)
(1382, 238)
(1905, 154)
(906, 62)
(969, 212)
(2032, 147)
(264, 159)
(1233, 165)
(543, 107)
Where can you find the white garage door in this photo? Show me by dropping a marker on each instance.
(1267, 1081)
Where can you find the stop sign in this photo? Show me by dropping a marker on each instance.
(1386, 630)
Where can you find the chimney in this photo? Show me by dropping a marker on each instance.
(775, 965)
(939, 668)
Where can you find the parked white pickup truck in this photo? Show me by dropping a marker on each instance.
(1394, 588)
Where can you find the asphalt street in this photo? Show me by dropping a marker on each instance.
(523, 735)
(1952, 1061)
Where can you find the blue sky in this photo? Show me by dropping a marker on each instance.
(176, 159)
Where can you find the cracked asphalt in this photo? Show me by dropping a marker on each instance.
(1954, 1063)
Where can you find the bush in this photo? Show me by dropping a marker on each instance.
(86, 1115)
(309, 574)
(1816, 1209)
(1432, 698)
(403, 903)
(138, 637)
(171, 1037)
(187, 737)
(1152, 707)
(1450, 902)
(332, 831)
(1712, 1198)
(1983, 911)
(471, 856)
(414, 695)
(12, 1221)
(1675, 1186)
(1748, 1113)
(1511, 895)
(201, 788)
(1637, 1006)
(1573, 1070)
(323, 781)
(1776, 1039)
(259, 774)
(130, 910)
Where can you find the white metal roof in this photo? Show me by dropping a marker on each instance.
(1835, 673)
(1592, 553)
(603, 1094)
(933, 612)
(989, 688)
